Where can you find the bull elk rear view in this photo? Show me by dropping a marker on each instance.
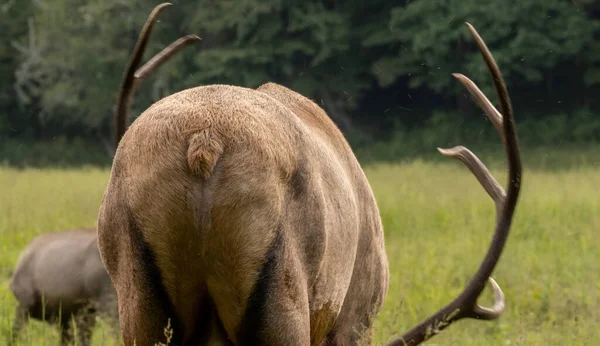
(241, 216)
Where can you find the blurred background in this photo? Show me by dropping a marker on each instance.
(381, 69)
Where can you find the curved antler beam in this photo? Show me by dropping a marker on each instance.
(125, 91)
(133, 76)
(465, 305)
(163, 57)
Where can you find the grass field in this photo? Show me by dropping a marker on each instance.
(438, 224)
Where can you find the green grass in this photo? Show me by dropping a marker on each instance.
(438, 224)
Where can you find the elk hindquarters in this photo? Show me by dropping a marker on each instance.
(277, 308)
(148, 288)
(204, 149)
(253, 323)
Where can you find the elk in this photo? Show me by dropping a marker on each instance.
(60, 276)
(241, 216)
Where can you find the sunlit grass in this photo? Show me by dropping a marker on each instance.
(438, 223)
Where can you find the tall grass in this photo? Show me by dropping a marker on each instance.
(438, 223)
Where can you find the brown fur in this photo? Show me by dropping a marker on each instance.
(253, 213)
(240, 216)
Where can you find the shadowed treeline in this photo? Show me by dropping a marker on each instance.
(381, 69)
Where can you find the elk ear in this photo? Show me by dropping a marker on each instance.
(204, 149)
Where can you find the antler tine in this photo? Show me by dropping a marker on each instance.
(125, 92)
(512, 143)
(496, 310)
(162, 57)
(465, 305)
(480, 171)
(490, 111)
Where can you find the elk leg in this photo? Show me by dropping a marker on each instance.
(277, 311)
(18, 324)
(108, 311)
(85, 322)
(209, 331)
(145, 309)
(253, 268)
(362, 303)
(66, 331)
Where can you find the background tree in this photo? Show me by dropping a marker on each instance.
(381, 69)
(531, 39)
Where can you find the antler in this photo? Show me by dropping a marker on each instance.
(130, 80)
(465, 305)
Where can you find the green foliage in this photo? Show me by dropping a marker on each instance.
(428, 41)
(16, 27)
(66, 67)
(57, 152)
(548, 134)
(61, 62)
(304, 45)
